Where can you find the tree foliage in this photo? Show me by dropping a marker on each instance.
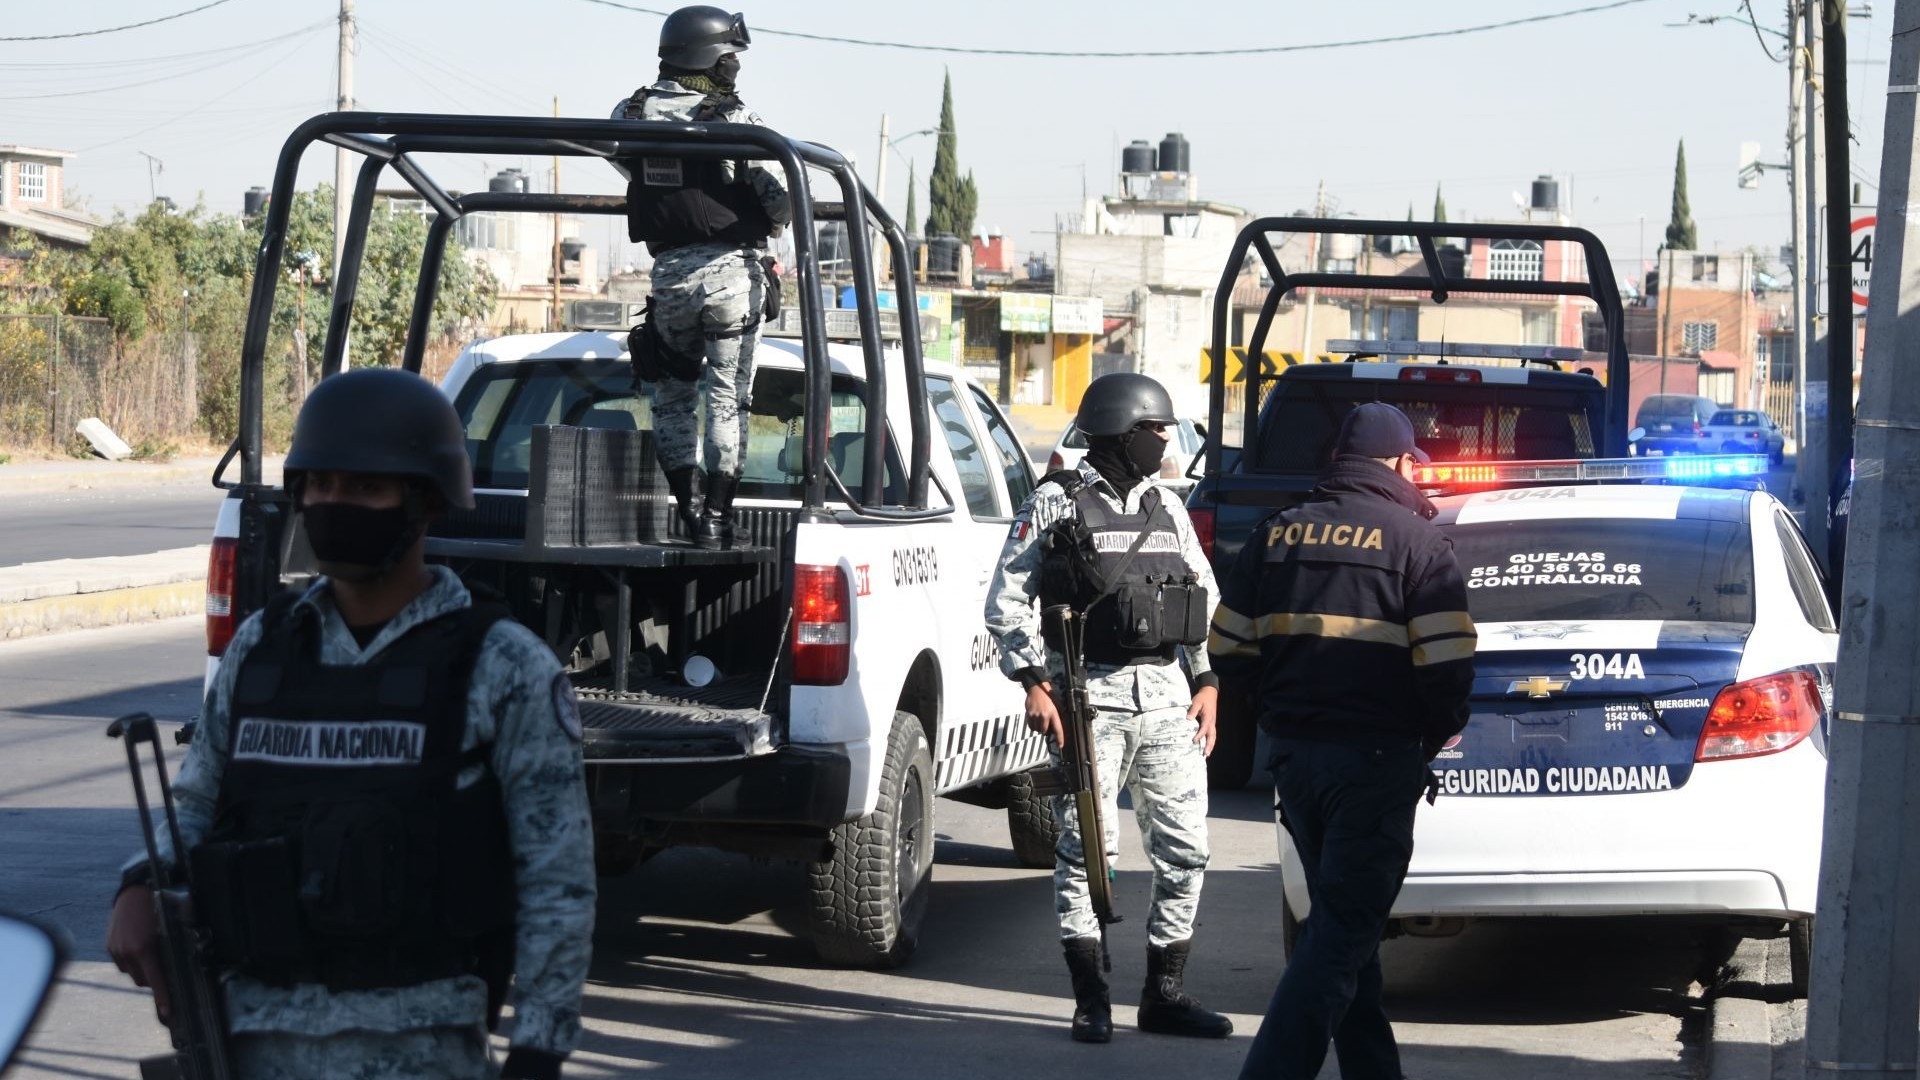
(1681, 233)
(913, 196)
(952, 199)
(1439, 204)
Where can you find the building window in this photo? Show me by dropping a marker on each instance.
(487, 232)
(1697, 337)
(1706, 269)
(1538, 326)
(32, 185)
(1516, 260)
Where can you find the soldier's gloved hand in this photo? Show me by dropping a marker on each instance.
(1043, 715)
(1206, 701)
(526, 1063)
(132, 943)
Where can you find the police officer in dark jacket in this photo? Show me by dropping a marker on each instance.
(383, 806)
(1351, 612)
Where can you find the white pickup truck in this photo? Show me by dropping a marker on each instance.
(806, 694)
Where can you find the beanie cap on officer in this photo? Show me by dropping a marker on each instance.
(1377, 430)
(387, 422)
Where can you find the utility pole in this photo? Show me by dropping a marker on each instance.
(1839, 258)
(880, 169)
(1313, 267)
(1801, 226)
(880, 196)
(1666, 314)
(1815, 477)
(553, 316)
(1866, 964)
(343, 102)
(154, 166)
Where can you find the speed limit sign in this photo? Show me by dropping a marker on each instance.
(1860, 246)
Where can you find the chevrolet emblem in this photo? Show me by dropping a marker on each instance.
(1540, 686)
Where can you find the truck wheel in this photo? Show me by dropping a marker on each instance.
(1030, 824)
(867, 900)
(1230, 765)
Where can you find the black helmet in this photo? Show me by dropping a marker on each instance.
(384, 421)
(695, 38)
(1115, 402)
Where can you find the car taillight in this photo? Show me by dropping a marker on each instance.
(220, 621)
(1203, 527)
(1760, 716)
(1697, 429)
(822, 633)
(1055, 462)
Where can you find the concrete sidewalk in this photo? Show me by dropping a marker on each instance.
(92, 473)
(73, 594)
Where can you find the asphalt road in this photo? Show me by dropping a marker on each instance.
(702, 970)
(40, 526)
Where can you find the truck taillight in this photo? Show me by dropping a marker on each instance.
(220, 619)
(1203, 527)
(822, 628)
(1055, 462)
(1760, 716)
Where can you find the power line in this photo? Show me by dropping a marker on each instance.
(235, 88)
(117, 29)
(37, 67)
(1078, 54)
(1759, 37)
(196, 70)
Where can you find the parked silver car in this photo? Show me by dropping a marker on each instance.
(1744, 431)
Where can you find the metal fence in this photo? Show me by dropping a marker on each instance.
(57, 370)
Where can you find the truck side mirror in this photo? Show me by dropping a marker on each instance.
(31, 956)
(1636, 434)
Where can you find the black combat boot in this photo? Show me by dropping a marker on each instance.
(1165, 1008)
(1092, 1008)
(686, 483)
(715, 530)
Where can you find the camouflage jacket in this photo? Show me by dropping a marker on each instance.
(668, 100)
(515, 701)
(1013, 613)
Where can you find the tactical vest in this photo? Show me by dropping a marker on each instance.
(673, 201)
(1127, 574)
(342, 851)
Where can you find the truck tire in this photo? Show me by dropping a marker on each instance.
(1800, 954)
(1030, 824)
(1230, 765)
(866, 901)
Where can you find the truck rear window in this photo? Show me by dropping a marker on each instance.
(502, 404)
(1477, 422)
(1585, 568)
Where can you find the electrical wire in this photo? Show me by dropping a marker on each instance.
(1077, 54)
(117, 29)
(241, 85)
(39, 68)
(1757, 36)
(195, 70)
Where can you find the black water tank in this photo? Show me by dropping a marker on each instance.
(253, 202)
(1138, 157)
(508, 180)
(1453, 261)
(571, 250)
(943, 256)
(1546, 193)
(1174, 153)
(833, 245)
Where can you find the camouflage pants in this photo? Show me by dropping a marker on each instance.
(707, 301)
(1154, 755)
(444, 1053)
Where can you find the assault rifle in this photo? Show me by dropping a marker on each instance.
(197, 1020)
(1079, 772)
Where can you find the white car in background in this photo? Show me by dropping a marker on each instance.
(1744, 431)
(1184, 441)
(1649, 719)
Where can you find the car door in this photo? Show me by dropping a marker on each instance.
(982, 728)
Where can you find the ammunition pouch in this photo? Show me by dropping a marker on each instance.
(654, 359)
(1152, 615)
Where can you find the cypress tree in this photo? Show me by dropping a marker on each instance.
(1681, 234)
(951, 198)
(913, 200)
(1439, 204)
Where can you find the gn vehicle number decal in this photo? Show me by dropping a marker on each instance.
(1603, 666)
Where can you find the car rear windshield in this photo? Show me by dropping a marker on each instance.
(1473, 422)
(1682, 569)
(1668, 405)
(502, 404)
(1735, 419)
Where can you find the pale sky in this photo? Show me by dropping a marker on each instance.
(1599, 100)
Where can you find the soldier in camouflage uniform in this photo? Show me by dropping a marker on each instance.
(707, 224)
(375, 455)
(1151, 731)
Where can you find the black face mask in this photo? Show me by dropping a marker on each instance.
(726, 70)
(1144, 452)
(357, 543)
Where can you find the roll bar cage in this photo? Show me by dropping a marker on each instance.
(393, 139)
(1599, 287)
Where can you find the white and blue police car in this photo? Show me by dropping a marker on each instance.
(1650, 704)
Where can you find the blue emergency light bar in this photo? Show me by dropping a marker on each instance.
(1680, 470)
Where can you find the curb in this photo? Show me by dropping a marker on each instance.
(1739, 1039)
(96, 475)
(53, 614)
